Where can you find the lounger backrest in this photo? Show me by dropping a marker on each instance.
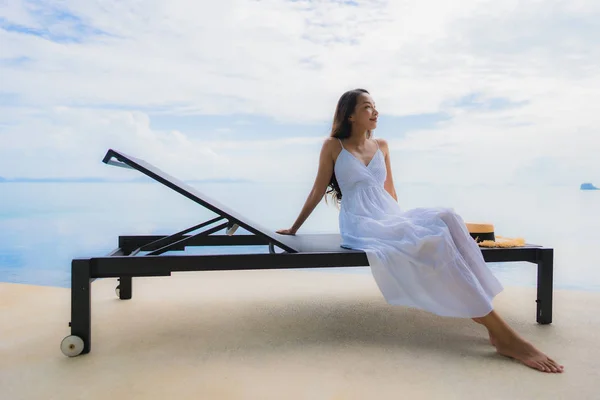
(289, 243)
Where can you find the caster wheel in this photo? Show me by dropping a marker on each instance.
(71, 346)
(118, 291)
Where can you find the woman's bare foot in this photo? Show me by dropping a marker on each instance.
(526, 353)
(508, 343)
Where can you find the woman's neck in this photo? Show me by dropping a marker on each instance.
(358, 138)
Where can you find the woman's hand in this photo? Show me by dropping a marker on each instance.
(286, 232)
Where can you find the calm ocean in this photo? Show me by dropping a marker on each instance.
(45, 225)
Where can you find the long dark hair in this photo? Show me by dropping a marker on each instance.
(342, 129)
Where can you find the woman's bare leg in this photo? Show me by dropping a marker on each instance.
(492, 339)
(510, 344)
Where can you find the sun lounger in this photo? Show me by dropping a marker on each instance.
(143, 255)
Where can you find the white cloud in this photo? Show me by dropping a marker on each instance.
(71, 142)
(291, 61)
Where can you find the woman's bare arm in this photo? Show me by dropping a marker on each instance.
(389, 180)
(319, 187)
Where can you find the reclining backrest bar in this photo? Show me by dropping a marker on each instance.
(287, 243)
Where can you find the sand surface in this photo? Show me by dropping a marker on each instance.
(283, 335)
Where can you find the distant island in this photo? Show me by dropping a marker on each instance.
(588, 186)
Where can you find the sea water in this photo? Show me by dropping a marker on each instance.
(43, 226)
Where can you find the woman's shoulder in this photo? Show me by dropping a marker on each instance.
(332, 146)
(381, 142)
(331, 143)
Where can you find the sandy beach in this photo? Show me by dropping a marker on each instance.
(283, 335)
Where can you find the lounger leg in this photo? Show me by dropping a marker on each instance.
(81, 308)
(125, 287)
(545, 286)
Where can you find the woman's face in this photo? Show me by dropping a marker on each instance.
(365, 115)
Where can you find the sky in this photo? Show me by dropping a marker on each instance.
(469, 92)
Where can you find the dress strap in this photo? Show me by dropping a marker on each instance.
(377, 143)
(340, 142)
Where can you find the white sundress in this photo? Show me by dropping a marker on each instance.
(423, 257)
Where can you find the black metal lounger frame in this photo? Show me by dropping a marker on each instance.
(122, 263)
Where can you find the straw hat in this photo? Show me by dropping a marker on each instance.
(483, 233)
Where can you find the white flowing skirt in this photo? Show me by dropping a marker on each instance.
(422, 258)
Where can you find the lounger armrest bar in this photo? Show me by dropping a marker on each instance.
(129, 243)
(181, 242)
(176, 237)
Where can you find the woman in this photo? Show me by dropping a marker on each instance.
(423, 258)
